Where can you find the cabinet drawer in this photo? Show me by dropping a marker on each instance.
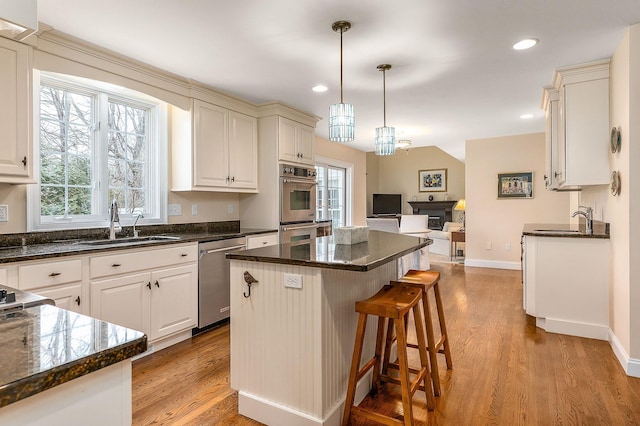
(49, 274)
(262, 240)
(130, 261)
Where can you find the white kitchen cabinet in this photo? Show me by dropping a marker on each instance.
(67, 297)
(16, 160)
(295, 141)
(154, 291)
(214, 149)
(60, 280)
(578, 140)
(262, 240)
(566, 284)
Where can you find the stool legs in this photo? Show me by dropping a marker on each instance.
(443, 328)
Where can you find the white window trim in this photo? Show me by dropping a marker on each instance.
(349, 167)
(158, 156)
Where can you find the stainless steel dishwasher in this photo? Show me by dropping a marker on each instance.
(213, 280)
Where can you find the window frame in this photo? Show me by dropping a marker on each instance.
(157, 153)
(348, 184)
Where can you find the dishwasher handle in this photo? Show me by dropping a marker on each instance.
(223, 249)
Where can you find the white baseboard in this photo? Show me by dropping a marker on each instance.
(572, 328)
(629, 365)
(272, 413)
(482, 263)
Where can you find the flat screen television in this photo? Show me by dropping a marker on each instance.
(387, 204)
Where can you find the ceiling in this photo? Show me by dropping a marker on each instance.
(454, 74)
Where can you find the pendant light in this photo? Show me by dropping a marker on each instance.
(341, 116)
(385, 136)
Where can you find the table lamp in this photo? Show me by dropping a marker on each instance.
(461, 205)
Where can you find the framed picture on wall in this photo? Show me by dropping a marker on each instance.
(434, 180)
(515, 185)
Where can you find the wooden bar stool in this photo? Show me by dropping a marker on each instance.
(391, 303)
(425, 281)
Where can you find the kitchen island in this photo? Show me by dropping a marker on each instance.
(293, 329)
(60, 367)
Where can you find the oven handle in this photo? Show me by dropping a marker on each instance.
(309, 182)
(295, 228)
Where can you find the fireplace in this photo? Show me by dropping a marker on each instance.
(439, 211)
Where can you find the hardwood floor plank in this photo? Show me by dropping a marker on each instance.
(506, 371)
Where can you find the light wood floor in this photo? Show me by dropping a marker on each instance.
(506, 371)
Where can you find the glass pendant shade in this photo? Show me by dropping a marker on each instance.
(342, 123)
(385, 140)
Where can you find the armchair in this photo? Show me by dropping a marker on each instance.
(442, 239)
(416, 225)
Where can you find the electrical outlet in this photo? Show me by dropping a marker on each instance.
(487, 245)
(507, 247)
(175, 210)
(230, 208)
(194, 210)
(293, 280)
(4, 213)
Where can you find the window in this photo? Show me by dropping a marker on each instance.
(97, 142)
(331, 194)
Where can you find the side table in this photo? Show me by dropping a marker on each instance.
(456, 237)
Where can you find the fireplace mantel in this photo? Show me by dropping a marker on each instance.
(441, 209)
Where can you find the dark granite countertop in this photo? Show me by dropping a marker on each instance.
(44, 346)
(381, 248)
(600, 230)
(47, 248)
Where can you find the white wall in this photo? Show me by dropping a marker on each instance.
(496, 222)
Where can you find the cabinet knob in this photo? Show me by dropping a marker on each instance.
(157, 284)
(233, 179)
(54, 274)
(116, 265)
(78, 300)
(556, 174)
(149, 285)
(184, 255)
(227, 179)
(24, 161)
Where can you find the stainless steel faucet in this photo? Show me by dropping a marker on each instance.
(587, 212)
(135, 231)
(113, 218)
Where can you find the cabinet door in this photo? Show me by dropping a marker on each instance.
(174, 300)
(210, 150)
(305, 144)
(243, 150)
(66, 297)
(15, 121)
(287, 135)
(123, 301)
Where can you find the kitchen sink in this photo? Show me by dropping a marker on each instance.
(130, 240)
(559, 231)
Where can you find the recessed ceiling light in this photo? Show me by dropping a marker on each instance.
(526, 116)
(320, 88)
(527, 43)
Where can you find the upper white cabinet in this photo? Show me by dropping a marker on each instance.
(577, 111)
(214, 149)
(16, 162)
(295, 141)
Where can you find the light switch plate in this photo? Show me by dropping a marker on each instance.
(4, 213)
(194, 210)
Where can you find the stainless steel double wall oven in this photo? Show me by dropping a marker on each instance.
(297, 203)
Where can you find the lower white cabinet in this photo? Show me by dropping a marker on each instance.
(159, 301)
(566, 284)
(67, 297)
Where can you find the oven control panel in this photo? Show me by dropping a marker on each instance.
(287, 170)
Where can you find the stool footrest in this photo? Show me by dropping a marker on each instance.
(366, 368)
(372, 415)
(389, 379)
